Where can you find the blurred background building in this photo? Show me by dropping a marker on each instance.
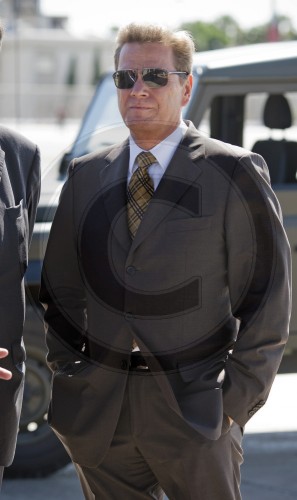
(45, 71)
(48, 73)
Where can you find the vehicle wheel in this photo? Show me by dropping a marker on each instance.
(38, 452)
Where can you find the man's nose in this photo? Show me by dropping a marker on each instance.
(139, 86)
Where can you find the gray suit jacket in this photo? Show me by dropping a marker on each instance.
(19, 195)
(204, 288)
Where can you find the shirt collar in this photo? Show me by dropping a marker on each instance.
(163, 151)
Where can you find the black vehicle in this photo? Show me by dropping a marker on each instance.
(245, 96)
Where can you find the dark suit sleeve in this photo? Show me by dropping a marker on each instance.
(62, 292)
(262, 303)
(33, 191)
(20, 187)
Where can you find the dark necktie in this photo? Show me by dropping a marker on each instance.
(140, 191)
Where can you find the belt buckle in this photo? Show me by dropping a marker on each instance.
(141, 367)
(138, 364)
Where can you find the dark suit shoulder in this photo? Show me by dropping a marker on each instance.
(98, 159)
(228, 157)
(12, 141)
(21, 166)
(214, 148)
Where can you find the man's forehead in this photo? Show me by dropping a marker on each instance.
(145, 55)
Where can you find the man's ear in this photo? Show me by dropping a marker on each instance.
(187, 89)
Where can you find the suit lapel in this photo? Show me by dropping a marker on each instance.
(114, 190)
(181, 174)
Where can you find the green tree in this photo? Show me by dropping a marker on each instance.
(260, 34)
(286, 28)
(232, 29)
(207, 36)
(226, 32)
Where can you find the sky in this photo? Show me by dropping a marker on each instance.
(96, 17)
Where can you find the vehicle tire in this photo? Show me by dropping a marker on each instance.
(38, 452)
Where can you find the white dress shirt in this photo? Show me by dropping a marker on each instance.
(163, 152)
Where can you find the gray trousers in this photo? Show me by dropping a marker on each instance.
(154, 451)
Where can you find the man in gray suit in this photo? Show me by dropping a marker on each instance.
(19, 195)
(166, 284)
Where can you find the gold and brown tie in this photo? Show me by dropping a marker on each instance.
(140, 191)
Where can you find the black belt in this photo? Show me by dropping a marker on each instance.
(218, 344)
(138, 363)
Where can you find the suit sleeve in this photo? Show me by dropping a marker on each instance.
(33, 191)
(62, 292)
(262, 304)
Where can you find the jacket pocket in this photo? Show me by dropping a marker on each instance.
(14, 243)
(72, 396)
(189, 224)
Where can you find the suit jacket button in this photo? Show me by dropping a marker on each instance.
(131, 270)
(124, 364)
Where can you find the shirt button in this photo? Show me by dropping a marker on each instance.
(131, 270)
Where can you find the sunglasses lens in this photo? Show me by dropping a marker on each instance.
(155, 77)
(125, 79)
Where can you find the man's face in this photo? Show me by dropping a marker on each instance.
(151, 114)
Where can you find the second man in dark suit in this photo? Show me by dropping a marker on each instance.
(19, 196)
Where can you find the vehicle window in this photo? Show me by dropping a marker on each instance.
(100, 126)
(258, 121)
(271, 131)
(106, 102)
(254, 126)
(204, 125)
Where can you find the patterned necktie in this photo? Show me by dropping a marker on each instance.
(140, 191)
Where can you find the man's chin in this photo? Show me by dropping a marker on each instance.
(140, 124)
(137, 121)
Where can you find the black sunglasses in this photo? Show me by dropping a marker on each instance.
(153, 77)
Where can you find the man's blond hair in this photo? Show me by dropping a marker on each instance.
(181, 42)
